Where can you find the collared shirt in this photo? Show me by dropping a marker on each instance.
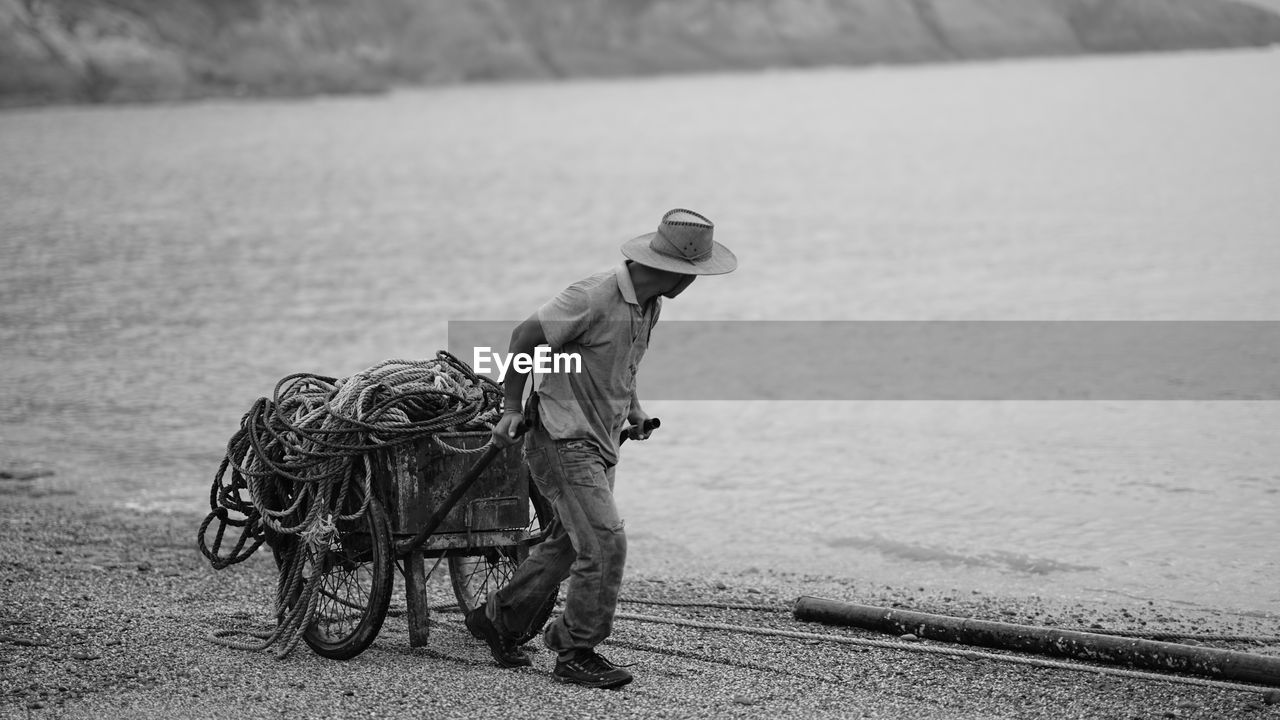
(600, 319)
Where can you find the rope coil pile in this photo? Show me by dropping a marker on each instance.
(302, 459)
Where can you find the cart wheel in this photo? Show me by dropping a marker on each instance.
(355, 588)
(475, 576)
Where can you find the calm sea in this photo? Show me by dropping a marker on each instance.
(163, 266)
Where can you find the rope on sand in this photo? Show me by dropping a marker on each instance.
(1145, 634)
(863, 642)
(302, 465)
(938, 650)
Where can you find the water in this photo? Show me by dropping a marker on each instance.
(162, 266)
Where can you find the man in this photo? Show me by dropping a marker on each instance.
(572, 446)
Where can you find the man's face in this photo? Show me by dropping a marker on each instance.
(678, 284)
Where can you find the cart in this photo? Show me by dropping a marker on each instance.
(445, 498)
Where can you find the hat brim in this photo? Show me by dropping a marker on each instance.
(721, 261)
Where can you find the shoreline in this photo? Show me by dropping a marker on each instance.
(95, 51)
(13, 105)
(108, 612)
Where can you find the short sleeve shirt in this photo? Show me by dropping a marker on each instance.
(599, 319)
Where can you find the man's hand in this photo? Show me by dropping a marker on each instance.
(504, 433)
(641, 425)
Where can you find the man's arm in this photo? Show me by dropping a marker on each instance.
(527, 336)
(636, 418)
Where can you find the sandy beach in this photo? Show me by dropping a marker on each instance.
(108, 613)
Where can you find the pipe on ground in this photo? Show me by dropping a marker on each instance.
(1147, 654)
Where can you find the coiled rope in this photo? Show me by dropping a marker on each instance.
(302, 463)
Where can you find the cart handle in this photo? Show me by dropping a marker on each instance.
(649, 426)
(404, 547)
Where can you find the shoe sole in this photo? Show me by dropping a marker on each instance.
(609, 685)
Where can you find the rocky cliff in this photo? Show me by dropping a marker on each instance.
(128, 50)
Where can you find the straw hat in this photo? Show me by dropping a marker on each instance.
(683, 245)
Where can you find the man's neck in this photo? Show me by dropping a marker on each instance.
(646, 283)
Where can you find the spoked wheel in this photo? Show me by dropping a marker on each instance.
(354, 586)
(475, 576)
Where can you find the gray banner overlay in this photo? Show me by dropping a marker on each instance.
(964, 360)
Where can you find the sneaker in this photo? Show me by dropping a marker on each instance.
(589, 669)
(504, 650)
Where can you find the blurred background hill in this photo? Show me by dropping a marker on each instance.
(60, 51)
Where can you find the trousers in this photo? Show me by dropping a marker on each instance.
(585, 543)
